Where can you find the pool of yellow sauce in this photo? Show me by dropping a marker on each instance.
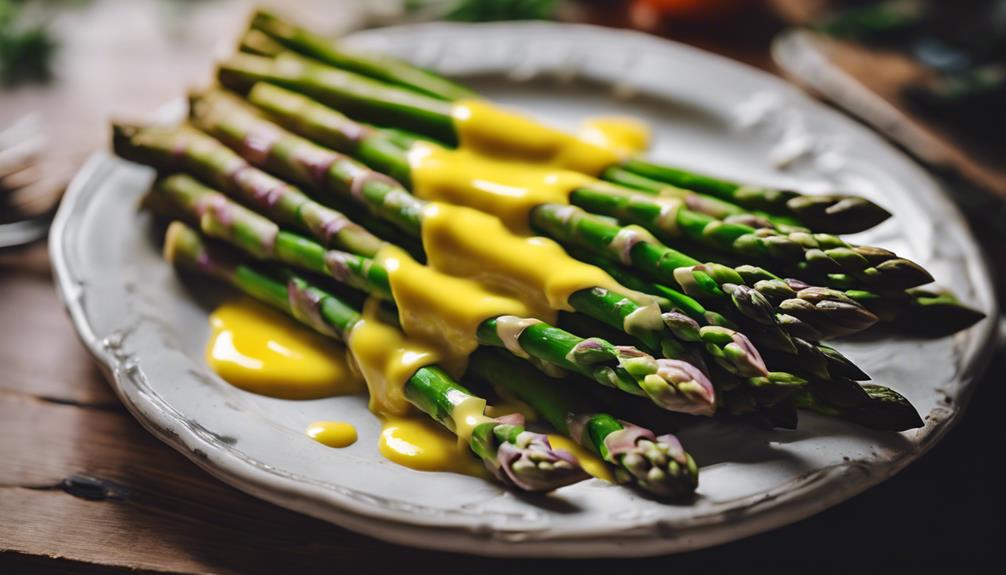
(422, 444)
(259, 350)
(332, 433)
(590, 462)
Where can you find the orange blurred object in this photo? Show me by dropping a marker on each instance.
(651, 11)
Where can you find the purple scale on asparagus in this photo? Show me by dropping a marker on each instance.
(624, 440)
(750, 351)
(258, 145)
(359, 182)
(514, 461)
(333, 226)
(304, 306)
(335, 263)
(315, 162)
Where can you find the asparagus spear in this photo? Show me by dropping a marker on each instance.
(367, 98)
(517, 457)
(828, 312)
(659, 465)
(835, 213)
(369, 64)
(808, 255)
(672, 384)
(699, 202)
(828, 213)
(226, 119)
(871, 405)
(830, 387)
(173, 147)
(812, 358)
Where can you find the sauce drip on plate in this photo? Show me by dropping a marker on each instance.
(257, 349)
(332, 433)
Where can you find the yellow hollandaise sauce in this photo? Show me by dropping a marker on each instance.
(626, 135)
(332, 433)
(259, 350)
(507, 189)
(440, 309)
(469, 243)
(387, 359)
(507, 164)
(591, 463)
(424, 445)
(489, 130)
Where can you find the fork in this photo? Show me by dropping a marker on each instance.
(27, 198)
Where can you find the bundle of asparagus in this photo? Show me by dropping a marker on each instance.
(723, 338)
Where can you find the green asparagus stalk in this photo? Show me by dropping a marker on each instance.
(827, 213)
(826, 311)
(929, 312)
(517, 457)
(820, 257)
(366, 98)
(370, 64)
(813, 359)
(870, 405)
(259, 43)
(230, 121)
(835, 213)
(699, 202)
(735, 396)
(659, 465)
(671, 384)
(921, 311)
(181, 147)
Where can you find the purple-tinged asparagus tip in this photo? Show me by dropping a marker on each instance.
(530, 463)
(829, 311)
(659, 465)
(680, 386)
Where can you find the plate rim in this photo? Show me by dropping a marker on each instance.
(784, 504)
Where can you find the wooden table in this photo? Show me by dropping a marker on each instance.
(84, 489)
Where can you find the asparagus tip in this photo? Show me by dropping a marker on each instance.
(525, 459)
(659, 465)
(177, 239)
(886, 409)
(937, 314)
(680, 386)
(837, 214)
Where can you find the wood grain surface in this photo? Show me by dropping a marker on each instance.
(84, 489)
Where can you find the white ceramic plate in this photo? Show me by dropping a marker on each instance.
(147, 328)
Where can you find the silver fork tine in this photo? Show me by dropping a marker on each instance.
(15, 157)
(27, 196)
